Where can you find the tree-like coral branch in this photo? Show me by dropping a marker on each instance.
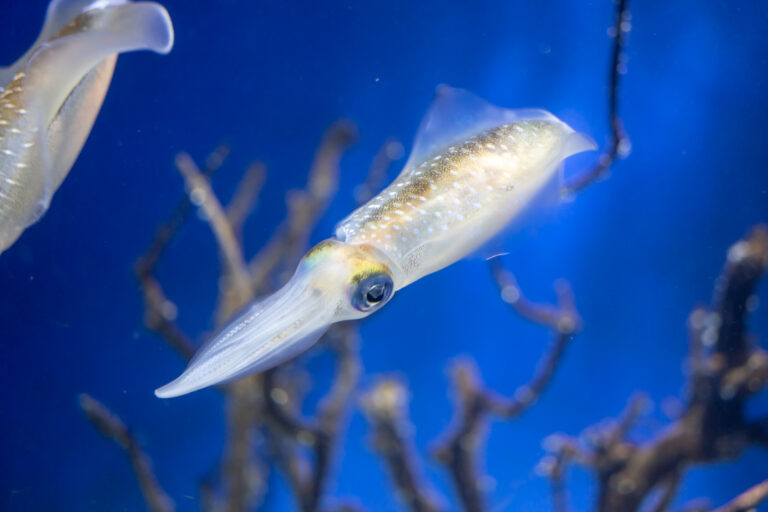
(747, 501)
(201, 195)
(112, 427)
(159, 311)
(160, 316)
(246, 195)
(304, 208)
(563, 450)
(726, 369)
(244, 474)
(322, 432)
(168, 229)
(385, 405)
(459, 449)
(668, 492)
(251, 406)
(619, 144)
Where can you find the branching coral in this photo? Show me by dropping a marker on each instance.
(267, 431)
(726, 368)
(262, 409)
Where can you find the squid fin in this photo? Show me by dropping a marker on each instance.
(59, 14)
(56, 67)
(455, 115)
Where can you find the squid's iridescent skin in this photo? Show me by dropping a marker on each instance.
(50, 97)
(474, 169)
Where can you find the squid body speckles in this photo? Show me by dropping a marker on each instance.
(50, 97)
(473, 170)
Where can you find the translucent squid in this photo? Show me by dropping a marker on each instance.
(474, 169)
(50, 97)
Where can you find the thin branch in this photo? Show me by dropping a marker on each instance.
(458, 450)
(617, 431)
(669, 492)
(475, 402)
(726, 369)
(281, 409)
(321, 433)
(557, 479)
(619, 145)
(160, 317)
(244, 474)
(385, 405)
(113, 427)
(201, 194)
(697, 330)
(345, 343)
(236, 292)
(747, 501)
(159, 311)
(246, 195)
(167, 231)
(561, 318)
(561, 451)
(305, 208)
(745, 265)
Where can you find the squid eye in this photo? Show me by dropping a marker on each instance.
(371, 292)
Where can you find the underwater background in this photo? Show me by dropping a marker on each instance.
(640, 249)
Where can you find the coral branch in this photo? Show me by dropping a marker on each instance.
(113, 427)
(159, 311)
(235, 290)
(747, 501)
(458, 451)
(305, 207)
(246, 195)
(321, 433)
(244, 475)
(726, 369)
(167, 230)
(668, 493)
(160, 316)
(343, 339)
(385, 405)
(555, 465)
(562, 318)
(619, 145)
(746, 262)
(201, 194)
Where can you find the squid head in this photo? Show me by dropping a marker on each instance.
(334, 282)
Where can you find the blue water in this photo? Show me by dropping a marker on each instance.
(268, 77)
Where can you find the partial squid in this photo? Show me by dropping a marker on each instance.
(474, 169)
(50, 97)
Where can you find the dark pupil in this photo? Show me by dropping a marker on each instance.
(375, 293)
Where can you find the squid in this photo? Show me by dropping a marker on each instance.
(50, 97)
(474, 170)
